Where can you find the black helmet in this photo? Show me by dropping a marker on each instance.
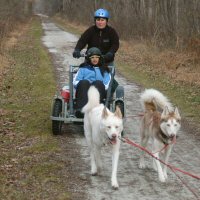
(93, 51)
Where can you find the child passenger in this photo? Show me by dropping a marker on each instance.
(91, 72)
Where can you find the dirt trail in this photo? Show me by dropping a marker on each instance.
(134, 183)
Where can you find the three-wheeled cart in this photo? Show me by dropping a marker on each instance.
(64, 102)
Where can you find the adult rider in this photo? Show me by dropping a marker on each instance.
(101, 36)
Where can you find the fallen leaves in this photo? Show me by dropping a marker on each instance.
(7, 124)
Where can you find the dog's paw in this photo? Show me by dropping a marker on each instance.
(94, 173)
(114, 182)
(115, 186)
(162, 179)
(142, 165)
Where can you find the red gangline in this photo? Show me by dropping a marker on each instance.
(144, 149)
(173, 169)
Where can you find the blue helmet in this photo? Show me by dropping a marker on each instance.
(101, 13)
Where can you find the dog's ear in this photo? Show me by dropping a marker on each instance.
(177, 114)
(165, 112)
(118, 112)
(105, 113)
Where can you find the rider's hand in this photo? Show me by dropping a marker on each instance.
(108, 57)
(76, 53)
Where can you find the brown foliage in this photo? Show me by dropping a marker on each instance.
(11, 13)
(180, 66)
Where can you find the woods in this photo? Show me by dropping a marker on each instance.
(164, 22)
(11, 13)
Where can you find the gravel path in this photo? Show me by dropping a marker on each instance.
(134, 183)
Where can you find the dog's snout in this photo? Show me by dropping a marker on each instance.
(114, 135)
(172, 135)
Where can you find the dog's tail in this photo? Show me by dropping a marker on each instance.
(93, 99)
(152, 99)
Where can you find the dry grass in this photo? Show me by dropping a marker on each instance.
(4, 65)
(180, 66)
(33, 163)
(11, 40)
(3, 62)
(74, 27)
(173, 71)
(7, 44)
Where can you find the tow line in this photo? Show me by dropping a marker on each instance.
(173, 169)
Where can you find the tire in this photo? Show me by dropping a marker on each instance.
(57, 125)
(120, 92)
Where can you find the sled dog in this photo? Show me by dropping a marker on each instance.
(101, 126)
(161, 123)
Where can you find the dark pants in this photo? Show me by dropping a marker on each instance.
(82, 89)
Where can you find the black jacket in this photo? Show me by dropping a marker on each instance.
(107, 39)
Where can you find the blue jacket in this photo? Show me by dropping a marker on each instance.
(91, 73)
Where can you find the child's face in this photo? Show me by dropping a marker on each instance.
(94, 59)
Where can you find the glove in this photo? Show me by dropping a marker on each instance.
(76, 53)
(108, 57)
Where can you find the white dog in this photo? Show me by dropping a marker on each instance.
(101, 127)
(161, 127)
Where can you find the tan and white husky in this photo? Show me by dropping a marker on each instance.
(160, 124)
(102, 126)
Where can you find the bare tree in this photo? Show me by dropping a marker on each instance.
(12, 12)
(166, 22)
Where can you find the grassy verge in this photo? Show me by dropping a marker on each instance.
(27, 169)
(186, 97)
